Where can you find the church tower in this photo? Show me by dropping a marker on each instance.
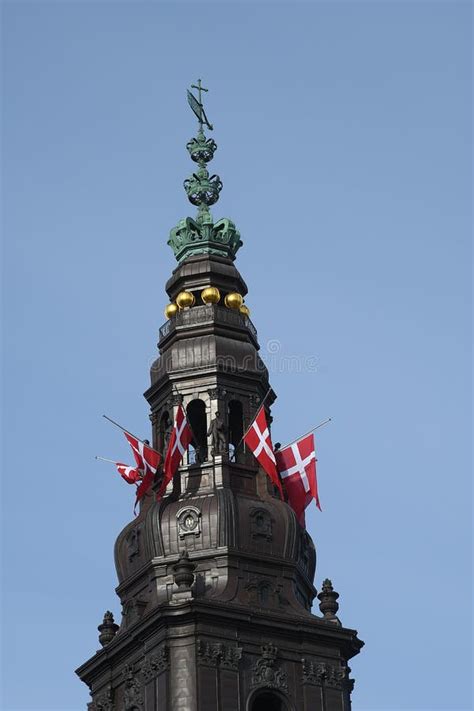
(216, 578)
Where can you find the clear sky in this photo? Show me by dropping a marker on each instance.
(344, 134)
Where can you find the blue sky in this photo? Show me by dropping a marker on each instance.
(344, 134)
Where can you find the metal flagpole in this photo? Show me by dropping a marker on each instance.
(104, 459)
(250, 425)
(307, 433)
(131, 433)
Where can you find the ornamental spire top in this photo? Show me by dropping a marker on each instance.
(202, 235)
(197, 106)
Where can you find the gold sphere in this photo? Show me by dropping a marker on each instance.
(185, 299)
(233, 300)
(211, 295)
(171, 310)
(244, 310)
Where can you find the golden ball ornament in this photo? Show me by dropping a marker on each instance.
(244, 310)
(233, 300)
(171, 310)
(211, 295)
(185, 299)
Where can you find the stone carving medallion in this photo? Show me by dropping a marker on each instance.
(266, 673)
(260, 524)
(189, 521)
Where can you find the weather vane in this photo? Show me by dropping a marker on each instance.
(197, 107)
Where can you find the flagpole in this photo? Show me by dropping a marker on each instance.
(321, 424)
(131, 433)
(250, 425)
(104, 459)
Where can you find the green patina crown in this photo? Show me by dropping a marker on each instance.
(202, 235)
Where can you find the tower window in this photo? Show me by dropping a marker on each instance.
(196, 411)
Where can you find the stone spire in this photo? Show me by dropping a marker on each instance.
(215, 579)
(202, 235)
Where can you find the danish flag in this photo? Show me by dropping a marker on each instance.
(145, 456)
(258, 439)
(148, 460)
(180, 439)
(130, 474)
(297, 467)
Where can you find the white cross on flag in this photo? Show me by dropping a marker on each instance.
(145, 456)
(297, 466)
(258, 440)
(130, 474)
(180, 440)
(147, 460)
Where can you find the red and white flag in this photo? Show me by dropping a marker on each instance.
(130, 474)
(297, 467)
(258, 440)
(145, 456)
(148, 460)
(180, 439)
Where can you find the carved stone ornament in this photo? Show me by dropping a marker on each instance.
(260, 524)
(264, 593)
(208, 653)
(133, 543)
(184, 579)
(108, 629)
(217, 654)
(321, 673)
(189, 521)
(103, 702)
(217, 393)
(156, 663)
(328, 602)
(230, 657)
(305, 551)
(133, 609)
(265, 673)
(133, 694)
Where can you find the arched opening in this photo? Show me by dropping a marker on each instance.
(196, 412)
(236, 428)
(268, 701)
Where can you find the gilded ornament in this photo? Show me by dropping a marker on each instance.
(244, 310)
(211, 295)
(233, 300)
(171, 310)
(185, 299)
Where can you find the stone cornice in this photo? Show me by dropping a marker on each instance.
(200, 614)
